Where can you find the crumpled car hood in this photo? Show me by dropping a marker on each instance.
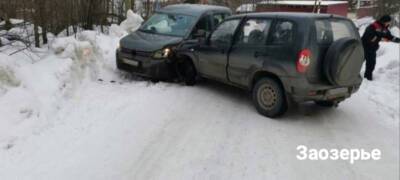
(147, 42)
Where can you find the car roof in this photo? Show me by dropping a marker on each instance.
(288, 15)
(193, 9)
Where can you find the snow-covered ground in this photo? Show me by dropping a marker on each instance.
(67, 113)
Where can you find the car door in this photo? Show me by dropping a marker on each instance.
(249, 49)
(213, 55)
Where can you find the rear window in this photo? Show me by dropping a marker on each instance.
(330, 30)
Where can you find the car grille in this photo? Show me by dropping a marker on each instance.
(135, 53)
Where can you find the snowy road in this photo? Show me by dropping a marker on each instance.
(139, 130)
(58, 122)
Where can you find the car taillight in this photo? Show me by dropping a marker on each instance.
(303, 61)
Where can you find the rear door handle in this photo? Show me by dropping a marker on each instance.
(260, 54)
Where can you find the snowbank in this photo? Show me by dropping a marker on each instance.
(12, 21)
(4, 40)
(32, 93)
(117, 31)
(16, 21)
(34, 87)
(7, 75)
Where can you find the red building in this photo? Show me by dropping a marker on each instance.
(330, 7)
(366, 8)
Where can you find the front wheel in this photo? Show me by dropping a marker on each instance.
(269, 98)
(187, 72)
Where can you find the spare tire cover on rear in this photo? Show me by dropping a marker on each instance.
(343, 61)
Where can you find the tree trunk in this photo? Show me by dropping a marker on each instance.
(44, 34)
(37, 36)
(43, 20)
(128, 4)
(8, 24)
(147, 8)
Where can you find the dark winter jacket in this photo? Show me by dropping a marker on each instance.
(374, 34)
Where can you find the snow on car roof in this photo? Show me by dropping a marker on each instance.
(304, 3)
(193, 9)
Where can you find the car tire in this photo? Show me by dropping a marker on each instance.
(154, 80)
(269, 97)
(325, 103)
(188, 72)
(119, 64)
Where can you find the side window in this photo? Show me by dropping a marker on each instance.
(224, 33)
(324, 32)
(216, 19)
(254, 32)
(329, 30)
(204, 24)
(283, 33)
(341, 29)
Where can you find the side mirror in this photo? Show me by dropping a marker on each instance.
(203, 40)
(201, 33)
(207, 40)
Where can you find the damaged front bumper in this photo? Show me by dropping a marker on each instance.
(143, 64)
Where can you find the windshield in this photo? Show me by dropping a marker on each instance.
(169, 24)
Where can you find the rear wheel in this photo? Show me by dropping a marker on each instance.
(269, 98)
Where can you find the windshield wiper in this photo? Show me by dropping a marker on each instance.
(152, 31)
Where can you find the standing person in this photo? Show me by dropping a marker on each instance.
(374, 33)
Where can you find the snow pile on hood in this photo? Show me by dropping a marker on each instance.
(132, 22)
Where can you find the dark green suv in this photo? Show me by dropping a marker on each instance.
(281, 57)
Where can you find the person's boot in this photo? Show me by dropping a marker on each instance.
(368, 76)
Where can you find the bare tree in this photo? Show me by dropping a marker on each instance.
(390, 7)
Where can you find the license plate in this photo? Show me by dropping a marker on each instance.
(130, 62)
(338, 91)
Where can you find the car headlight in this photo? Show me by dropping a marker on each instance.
(163, 53)
(118, 46)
